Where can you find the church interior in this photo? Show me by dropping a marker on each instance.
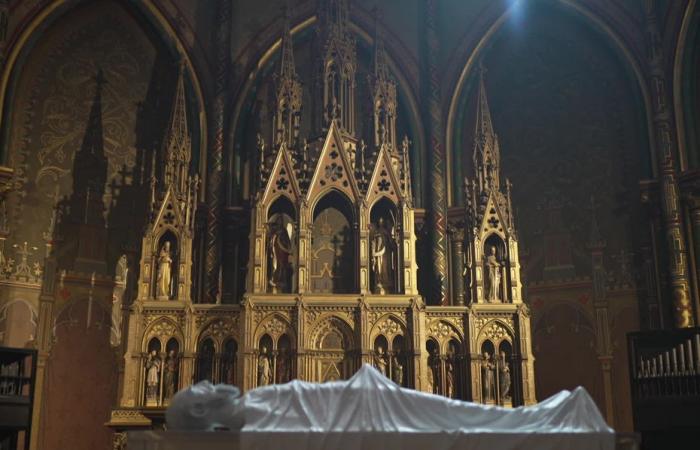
(486, 200)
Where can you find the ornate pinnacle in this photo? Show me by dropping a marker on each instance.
(289, 93)
(287, 67)
(486, 153)
(406, 168)
(381, 68)
(177, 149)
(484, 125)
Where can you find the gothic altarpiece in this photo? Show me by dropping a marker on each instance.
(332, 274)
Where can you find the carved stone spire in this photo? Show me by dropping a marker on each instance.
(383, 97)
(338, 65)
(486, 150)
(288, 95)
(177, 150)
(90, 166)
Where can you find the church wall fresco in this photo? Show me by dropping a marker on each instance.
(56, 90)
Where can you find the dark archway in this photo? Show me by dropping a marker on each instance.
(334, 245)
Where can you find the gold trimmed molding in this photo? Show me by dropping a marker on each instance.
(481, 44)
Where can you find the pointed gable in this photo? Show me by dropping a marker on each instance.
(170, 214)
(333, 169)
(282, 180)
(494, 219)
(384, 182)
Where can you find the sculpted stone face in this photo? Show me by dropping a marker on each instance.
(206, 407)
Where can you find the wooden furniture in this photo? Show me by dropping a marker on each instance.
(17, 377)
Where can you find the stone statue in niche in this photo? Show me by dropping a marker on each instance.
(493, 267)
(280, 251)
(153, 365)
(380, 361)
(487, 381)
(170, 375)
(382, 248)
(283, 369)
(503, 378)
(449, 378)
(434, 366)
(397, 371)
(264, 369)
(165, 277)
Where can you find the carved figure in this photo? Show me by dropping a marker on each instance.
(397, 371)
(164, 280)
(264, 370)
(494, 275)
(380, 361)
(434, 363)
(283, 366)
(449, 378)
(170, 375)
(280, 249)
(487, 385)
(382, 256)
(504, 378)
(153, 364)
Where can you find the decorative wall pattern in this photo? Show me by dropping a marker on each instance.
(55, 92)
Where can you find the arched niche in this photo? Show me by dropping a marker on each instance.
(204, 369)
(153, 366)
(435, 378)
(265, 344)
(171, 369)
(381, 355)
(334, 253)
(250, 109)
(495, 265)
(385, 247)
(265, 368)
(229, 360)
(488, 372)
(18, 320)
(154, 346)
(284, 359)
(454, 369)
(504, 368)
(560, 85)
(399, 361)
(166, 263)
(333, 349)
(281, 246)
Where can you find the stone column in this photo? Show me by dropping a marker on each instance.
(668, 184)
(433, 114)
(694, 208)
(457, 263)
(215, 193)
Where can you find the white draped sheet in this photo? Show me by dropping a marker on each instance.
(368, 411)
